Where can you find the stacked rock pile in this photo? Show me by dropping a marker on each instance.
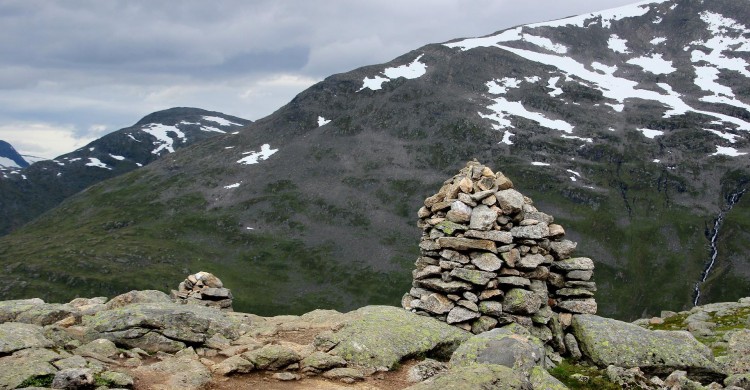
(203, 288)
(489, 258)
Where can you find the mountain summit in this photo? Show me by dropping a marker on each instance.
(27, 191)
(629, 125)
(9, 157)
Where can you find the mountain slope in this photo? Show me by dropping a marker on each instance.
(629, 125)
(26, 193)
(9, 157)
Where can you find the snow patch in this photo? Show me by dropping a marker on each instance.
(545, 43)
(412, 70)
(589, 140)
(728, 36)
(654, 64)
(648, 133)
(729, 137)
(161, 133)
(532, 79)
(606, 69)
(229, 147)
(255, 157)
(617, 44)
(506, 138)
(605, 18)
(727, 151)
(706, 78)
(539, 164)
(235, 185)
(619, 89)
(374, 83)
(502, 108)
(499, 87)
(213, 129)
(552, 84)
(323, 121)
(658, 40)
(133, 138)
(94, 162)
(220, 121)
(116, 157)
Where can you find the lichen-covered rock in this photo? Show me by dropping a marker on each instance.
(25, 364)
(381, 336)
(136, 296)
(100, 347)
(272, 357)
(46, 313)
(345, 374)
(16, 336)
(321, 361)
(461, 314)
(117, 379)
(161, 326)
(574, 264)
(233, 365)
(737, 359)
(475, 376)
(425, 369)
(520, 301)
(73, 378)
(510, 346)
(610, 342)
(9, 310)
(184, 372)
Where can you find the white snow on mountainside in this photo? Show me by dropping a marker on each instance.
(620, 83)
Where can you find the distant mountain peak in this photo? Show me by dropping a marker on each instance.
(10, 158)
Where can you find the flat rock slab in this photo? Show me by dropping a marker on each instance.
(606, 341)
(9, 310)
(381, 336)
(184, 373)
(15, 336)
(511, 346)
(475, 376)
(26, 364)
(161, 326)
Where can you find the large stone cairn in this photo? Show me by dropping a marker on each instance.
(489, 258)
(205, 289)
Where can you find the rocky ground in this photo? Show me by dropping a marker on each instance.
(143, 340)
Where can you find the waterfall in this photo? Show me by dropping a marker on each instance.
(732, 199)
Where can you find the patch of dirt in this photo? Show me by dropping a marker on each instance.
(301, 336)
(391, 380)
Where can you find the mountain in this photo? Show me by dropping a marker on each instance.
(27, 191)
(9, 157)
(629, 125)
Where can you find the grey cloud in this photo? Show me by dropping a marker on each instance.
(84, 62)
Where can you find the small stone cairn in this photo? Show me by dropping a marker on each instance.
(489, 258)
(205, 289)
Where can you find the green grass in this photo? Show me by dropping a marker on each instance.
(38, 381)
(565, 372)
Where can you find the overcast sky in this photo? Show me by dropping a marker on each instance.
(72, 71)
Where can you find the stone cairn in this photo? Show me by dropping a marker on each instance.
(489, 258)
(205, 289)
